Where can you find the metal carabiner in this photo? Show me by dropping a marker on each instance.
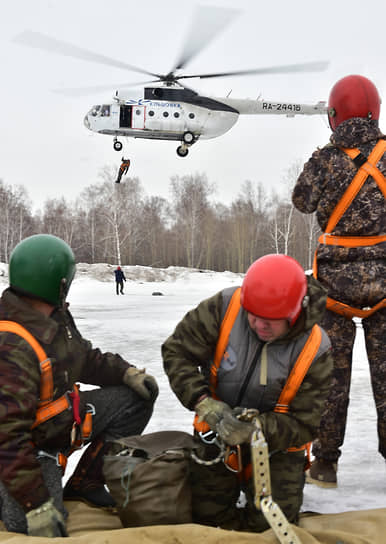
(209, 437)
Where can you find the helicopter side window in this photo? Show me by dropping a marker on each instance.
(191, 116)
(176, 114)
(105, 112)
(151, 113)
(137, 112)
(95, 110)
(166, 114)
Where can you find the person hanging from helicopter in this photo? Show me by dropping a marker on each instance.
(123, 169)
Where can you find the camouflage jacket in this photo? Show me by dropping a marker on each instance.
(188, 354)
(73, 360)
(323, 181)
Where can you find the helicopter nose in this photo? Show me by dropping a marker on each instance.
(86, 122)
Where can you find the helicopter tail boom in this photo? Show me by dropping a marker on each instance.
(261, 107)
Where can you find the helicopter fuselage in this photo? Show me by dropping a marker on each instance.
(181, 114)
(163, 114)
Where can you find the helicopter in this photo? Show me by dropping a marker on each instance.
(167, 109)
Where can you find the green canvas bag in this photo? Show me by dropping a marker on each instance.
(148, 477)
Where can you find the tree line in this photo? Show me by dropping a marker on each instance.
(121, 224)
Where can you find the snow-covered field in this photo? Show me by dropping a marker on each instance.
(136, 324)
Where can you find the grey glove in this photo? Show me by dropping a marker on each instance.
(212, 411)
(233, 431)
(143, 384)
(46, 520)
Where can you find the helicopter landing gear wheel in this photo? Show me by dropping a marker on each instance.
(188, 138)
(117, 145)
(182, 151)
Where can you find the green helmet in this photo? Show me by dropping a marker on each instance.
(42, 266)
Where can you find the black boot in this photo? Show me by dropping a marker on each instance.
(87, 481)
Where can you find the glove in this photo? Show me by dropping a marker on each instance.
(46, 520)
(232, 431)
(143, 384)
(212, 411)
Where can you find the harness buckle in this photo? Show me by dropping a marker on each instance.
(233, 460)
(59, 458)
(208, 437)
(90, 409)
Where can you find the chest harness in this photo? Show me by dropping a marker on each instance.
(232, 459)
(366, 167)
(49, 408)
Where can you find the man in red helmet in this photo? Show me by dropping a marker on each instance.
(236, 350)
(344, 182)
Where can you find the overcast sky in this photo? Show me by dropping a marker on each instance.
(46, 148)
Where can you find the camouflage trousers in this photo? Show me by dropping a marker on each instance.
(216, 491)
(357, 282)
(119, 412)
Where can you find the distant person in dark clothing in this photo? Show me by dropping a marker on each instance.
(123, 169)
(119, 279)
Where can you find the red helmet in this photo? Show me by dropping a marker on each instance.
(353, 96)
(274, 288)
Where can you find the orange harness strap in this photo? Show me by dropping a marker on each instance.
(299, 370)
(291, 387)
(47, 408)
(222, 342)
(367, 169)
(225, 330)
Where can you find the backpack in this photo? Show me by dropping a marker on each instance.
(148, 477)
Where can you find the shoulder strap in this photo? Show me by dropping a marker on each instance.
(299, 370)
(46, 382)
(223, 337)
(368, 168)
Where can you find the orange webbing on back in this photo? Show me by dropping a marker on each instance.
(46, 383)
(350, 241)
(350, 312)
(51, 409)
(16, 328)
(368, 168)
(344, 309)
(299, 370)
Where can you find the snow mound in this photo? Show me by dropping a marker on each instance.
(145, 274)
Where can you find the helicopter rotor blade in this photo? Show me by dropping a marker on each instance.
(317, 66)
(47, 43)
(207, 23)
(85, 91)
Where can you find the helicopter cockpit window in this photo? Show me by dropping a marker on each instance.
(105, 112)
(94, 110)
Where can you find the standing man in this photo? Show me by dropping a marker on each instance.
(119, 279)
(275, 315)
(43, 416)
(344, 182)
(123, 169)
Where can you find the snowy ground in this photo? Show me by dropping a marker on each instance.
(136, 324)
